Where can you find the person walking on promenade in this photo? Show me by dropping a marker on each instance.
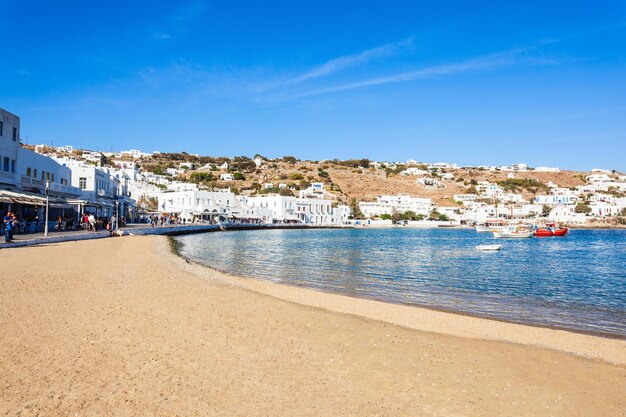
(92, 222)
(113, 221)
(8, 227)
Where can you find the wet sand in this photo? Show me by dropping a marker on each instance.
(123, 327)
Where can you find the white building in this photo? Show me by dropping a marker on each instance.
(133, 153)
(313, 211)
(414, 171)
(442, 165)
(92, 156)
(428, 182)
(489, 190)
(465, 198)
(388, 204)
(567, 214)
(447, 175)
(194, 202)
(595, 178)
(315, 190)
(99, 189)
(553, 200)
(547, 169)
(35, 170)
(9, 143)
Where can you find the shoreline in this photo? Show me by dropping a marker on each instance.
(175, 246)
(591, 345)
(150, 333)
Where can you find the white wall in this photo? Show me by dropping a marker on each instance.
(8, 147)
(34, 170)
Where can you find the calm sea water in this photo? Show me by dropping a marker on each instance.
(577, 282)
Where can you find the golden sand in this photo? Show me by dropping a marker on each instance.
(122, 327)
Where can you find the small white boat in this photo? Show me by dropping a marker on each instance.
(487, 248)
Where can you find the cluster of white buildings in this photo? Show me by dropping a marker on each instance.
(71, 187)
(191, 203)
(81, 184)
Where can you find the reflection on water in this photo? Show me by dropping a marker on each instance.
(577, 282)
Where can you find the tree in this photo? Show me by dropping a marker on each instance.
(385, 216)
(545, 210)
(408, 215)
(148, 203)
(296, 176)
(290, 159)
(582, 208)
(238, 176)
(435, 215)
(201, 177)
(356, 210)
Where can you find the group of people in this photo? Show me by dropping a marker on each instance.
(92, 223)
(10, 223)
(156, 220)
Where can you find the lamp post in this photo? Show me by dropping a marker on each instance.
(45, 224)
(117, 216)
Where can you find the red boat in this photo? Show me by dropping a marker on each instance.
(550, 230)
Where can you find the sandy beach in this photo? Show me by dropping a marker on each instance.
(124, 327)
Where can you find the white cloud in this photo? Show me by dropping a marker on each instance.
(497, 60)
(338, 64)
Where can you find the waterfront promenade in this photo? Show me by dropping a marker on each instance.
(146, 333)
(21, 240)
(30, 239)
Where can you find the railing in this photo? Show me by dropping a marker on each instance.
(26, 227)
(34, 183)
(7, 175)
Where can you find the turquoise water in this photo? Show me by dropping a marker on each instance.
(577, 282)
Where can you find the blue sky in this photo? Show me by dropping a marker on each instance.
(470, 82)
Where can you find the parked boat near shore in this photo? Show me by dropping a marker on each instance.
(513, 232)
(491, 225)
(550, 230)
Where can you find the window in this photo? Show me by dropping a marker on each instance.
(48, 176)
(43, 175)
(35, 173)
(6, 164)
(52, 177)
(82, 183)
(13, 166)
(1, 127)
(14, 134)
(28, 172)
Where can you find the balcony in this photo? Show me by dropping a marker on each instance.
(7, 178)
(38, 186)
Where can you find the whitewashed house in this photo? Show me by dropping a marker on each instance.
(9, 144)
(388, 204)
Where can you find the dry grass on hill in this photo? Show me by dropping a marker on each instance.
(368, 183)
